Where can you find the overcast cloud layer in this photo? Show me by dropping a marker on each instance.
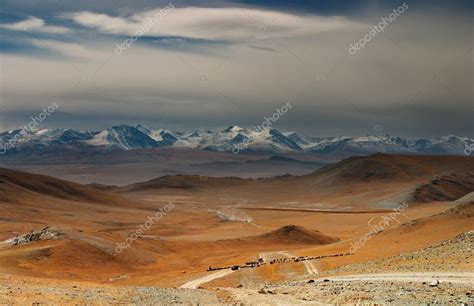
(212, 64)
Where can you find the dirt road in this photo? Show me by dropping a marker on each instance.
(310, 267)
(466, 278)
(194, 284)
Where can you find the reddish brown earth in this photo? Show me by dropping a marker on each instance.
(319, 214)
(445, 188)
(294, 234)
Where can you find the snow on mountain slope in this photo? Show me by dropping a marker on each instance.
(247, 140)
(45, 136)
(124, 137)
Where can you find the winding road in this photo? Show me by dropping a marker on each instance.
(447, 277)
(310, 268)
(194, 284)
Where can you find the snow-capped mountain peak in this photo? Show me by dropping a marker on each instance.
(233, 129)
(126, 137)
(123, 136)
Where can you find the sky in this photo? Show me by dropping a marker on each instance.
(187, 65)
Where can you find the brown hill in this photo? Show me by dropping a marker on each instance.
(410, 236)
(181, 181)
(394, 167)
(450, 223)
(378, 180)
(290, 234)
(91, 258)
(16, 185)
(445, 188)
(363, 169)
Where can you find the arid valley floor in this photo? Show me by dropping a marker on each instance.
(376, 229)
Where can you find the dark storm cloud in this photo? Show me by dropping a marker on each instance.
(236, 62)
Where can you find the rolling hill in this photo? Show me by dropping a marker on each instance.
(16, 185)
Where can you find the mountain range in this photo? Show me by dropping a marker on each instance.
(232, 139)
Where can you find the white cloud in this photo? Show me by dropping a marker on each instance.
(33, 24)
(68, 49)
(398, 78)
(230, 24)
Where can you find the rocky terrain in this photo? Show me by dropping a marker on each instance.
(358, 291)
(36, 235)
(450, 256)
(21, 292)
(397, 279)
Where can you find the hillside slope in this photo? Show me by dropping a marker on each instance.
(16, 185)
(393, 167)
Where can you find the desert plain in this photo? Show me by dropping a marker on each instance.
(375, 229)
